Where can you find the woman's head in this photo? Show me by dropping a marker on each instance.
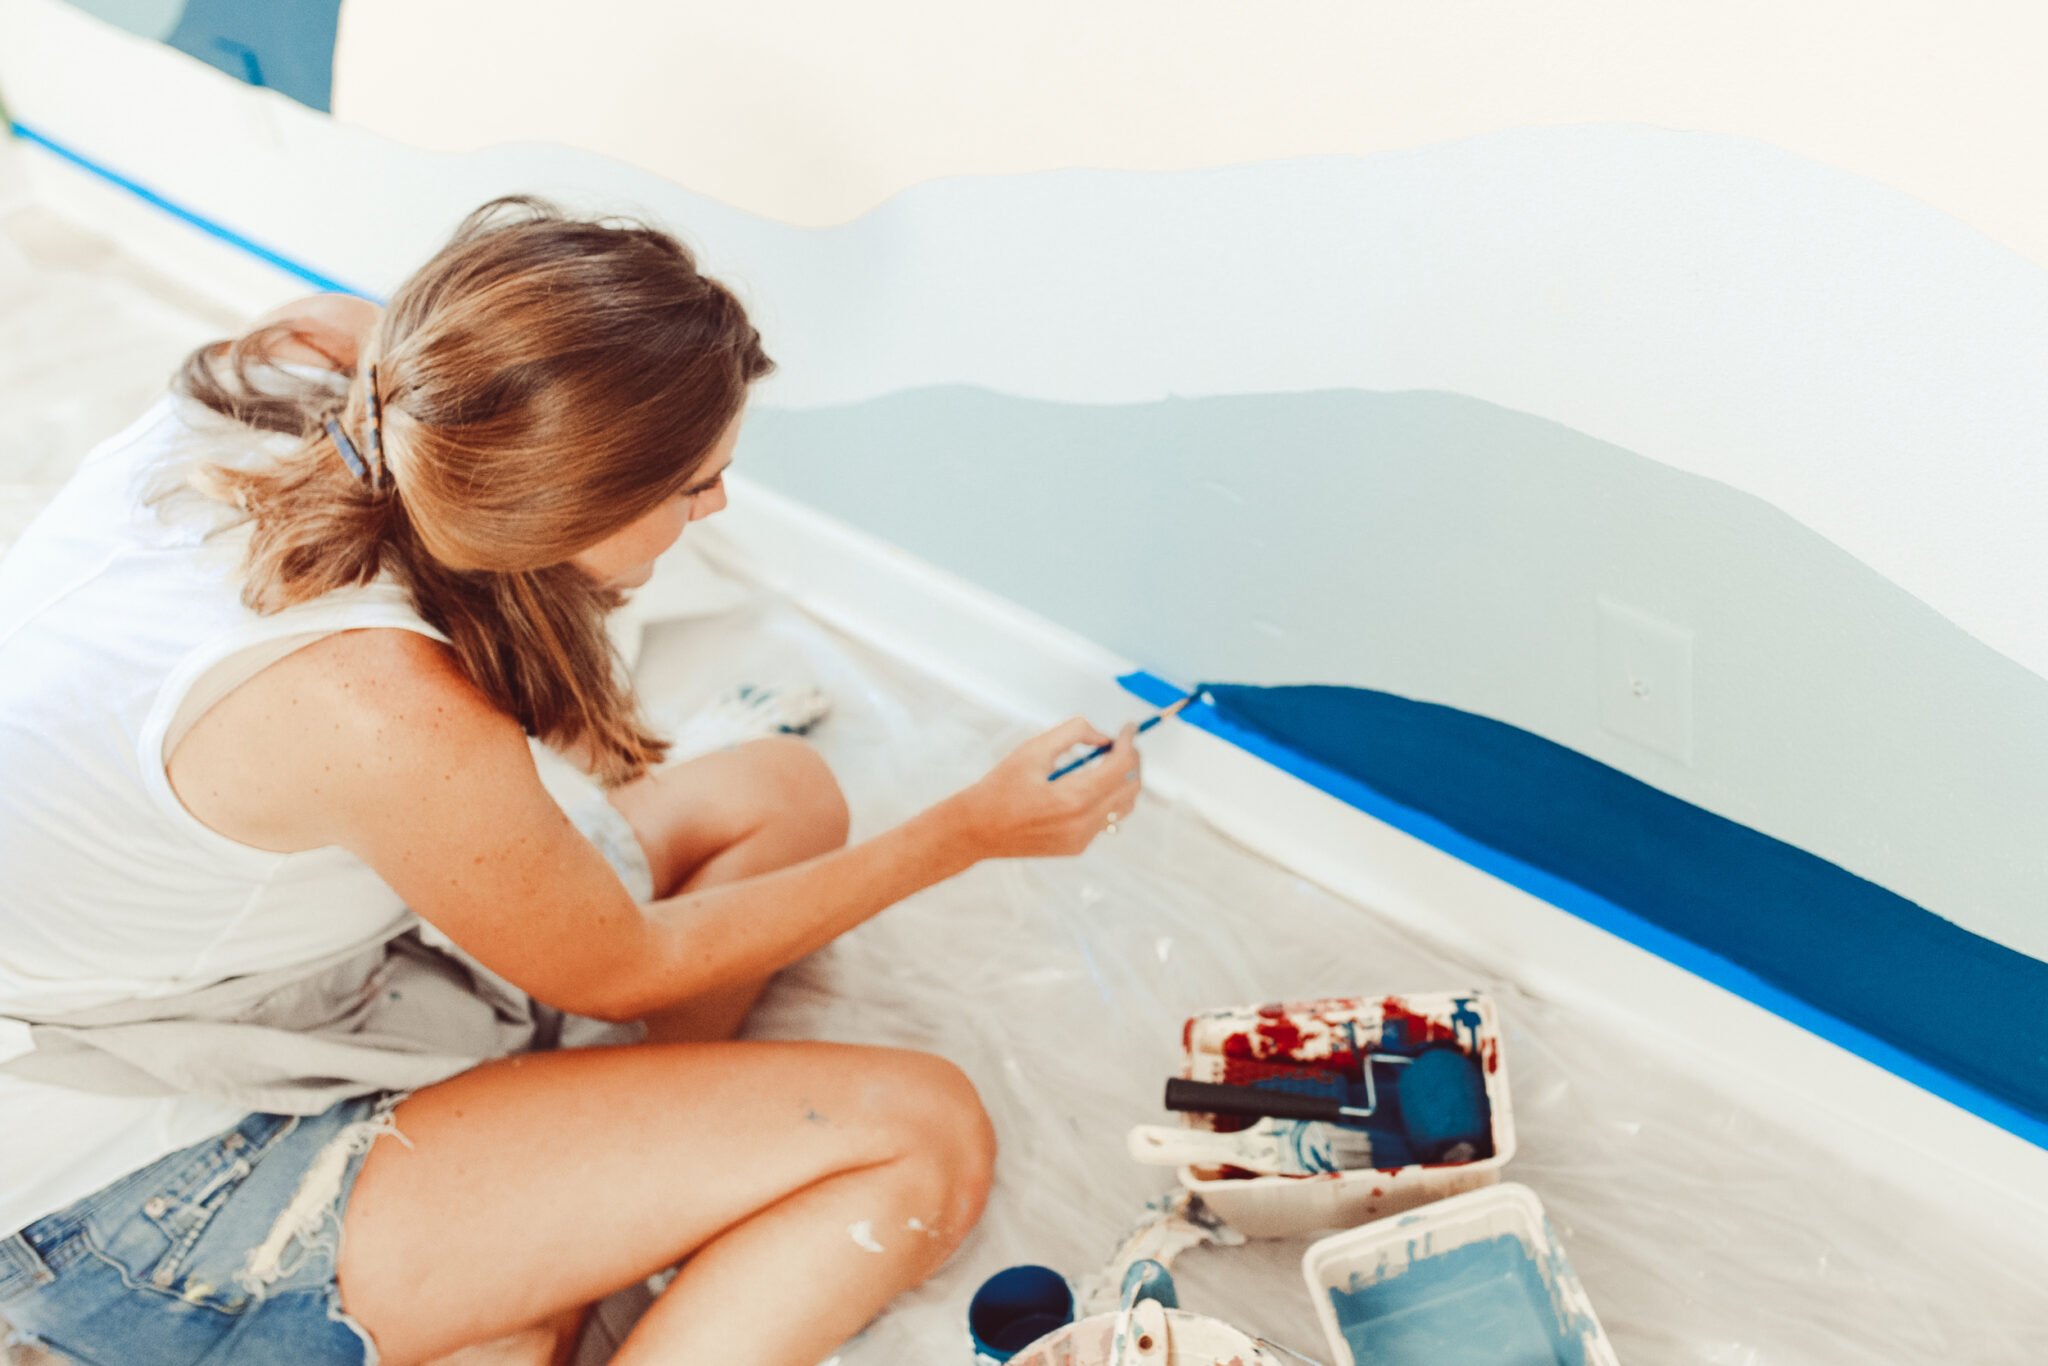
(547, 381)
(557, 398)
(625, 558)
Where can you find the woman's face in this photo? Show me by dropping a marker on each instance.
(625, 559)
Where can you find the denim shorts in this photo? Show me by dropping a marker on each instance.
(221, 1252)
(225, 1252)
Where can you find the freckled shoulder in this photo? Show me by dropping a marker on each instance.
(294, 756)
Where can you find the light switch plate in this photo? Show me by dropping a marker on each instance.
(1646, 680)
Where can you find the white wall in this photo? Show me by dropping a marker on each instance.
(813, 112)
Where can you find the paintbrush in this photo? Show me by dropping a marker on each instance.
(1272, 1147)
(1092, 755)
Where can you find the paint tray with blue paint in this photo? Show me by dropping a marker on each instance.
(1331, 1047)
(1476, 1280)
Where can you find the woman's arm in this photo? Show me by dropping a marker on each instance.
(753, 928)
(409, 767)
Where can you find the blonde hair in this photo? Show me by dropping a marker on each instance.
(544, 381)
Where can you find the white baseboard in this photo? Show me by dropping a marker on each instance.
(1023, 664)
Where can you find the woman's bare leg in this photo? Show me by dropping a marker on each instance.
(719, 818)
(722, 818)
(812, 1183)
(550, 1344)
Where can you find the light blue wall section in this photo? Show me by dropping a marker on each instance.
(1453, 551)
(1852, 356)
(1849, 355)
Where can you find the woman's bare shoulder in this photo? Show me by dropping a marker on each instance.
(291, 757)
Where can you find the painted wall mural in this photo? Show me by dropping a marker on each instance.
(287, 47)
(1449, 357)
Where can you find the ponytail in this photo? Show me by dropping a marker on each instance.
(544, 381)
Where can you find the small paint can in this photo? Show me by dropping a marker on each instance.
(1015, 1308)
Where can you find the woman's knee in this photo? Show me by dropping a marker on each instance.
(797, 787)
(944, 1139)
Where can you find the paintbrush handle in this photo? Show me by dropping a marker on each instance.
(1255, 1101)
(1092, 755)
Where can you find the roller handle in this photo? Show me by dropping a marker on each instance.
(1210, 1098)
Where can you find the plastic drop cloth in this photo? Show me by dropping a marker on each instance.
(1703, 1231)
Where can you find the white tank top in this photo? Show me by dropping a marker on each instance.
(119, 628)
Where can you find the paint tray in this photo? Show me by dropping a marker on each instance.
(1478, 1259)
(1327, 1036)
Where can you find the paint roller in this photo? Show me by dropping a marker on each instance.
(1440, 1113)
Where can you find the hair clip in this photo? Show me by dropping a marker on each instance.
(348, 450)
(375, 410)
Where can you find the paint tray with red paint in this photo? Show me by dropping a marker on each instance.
(1312, 1046)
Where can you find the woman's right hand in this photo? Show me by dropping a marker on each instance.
(1015, 813)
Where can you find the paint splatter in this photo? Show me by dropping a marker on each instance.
(1404, 1031)
(1279, 1035)
(863, 1234)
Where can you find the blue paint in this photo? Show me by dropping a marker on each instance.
(1148, 1279)
(286, 47)
(1466, 1021)
(1443, 1105)
(1015, 1308)
(1484, 1304)
(1952, 1012)
(197, 220)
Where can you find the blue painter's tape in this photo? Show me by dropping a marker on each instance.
(197, 220)
(2003, 1088)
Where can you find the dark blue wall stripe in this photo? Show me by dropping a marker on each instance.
(179, 211)
(1949, 1011)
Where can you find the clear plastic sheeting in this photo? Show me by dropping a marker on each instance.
(1703, 1231)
